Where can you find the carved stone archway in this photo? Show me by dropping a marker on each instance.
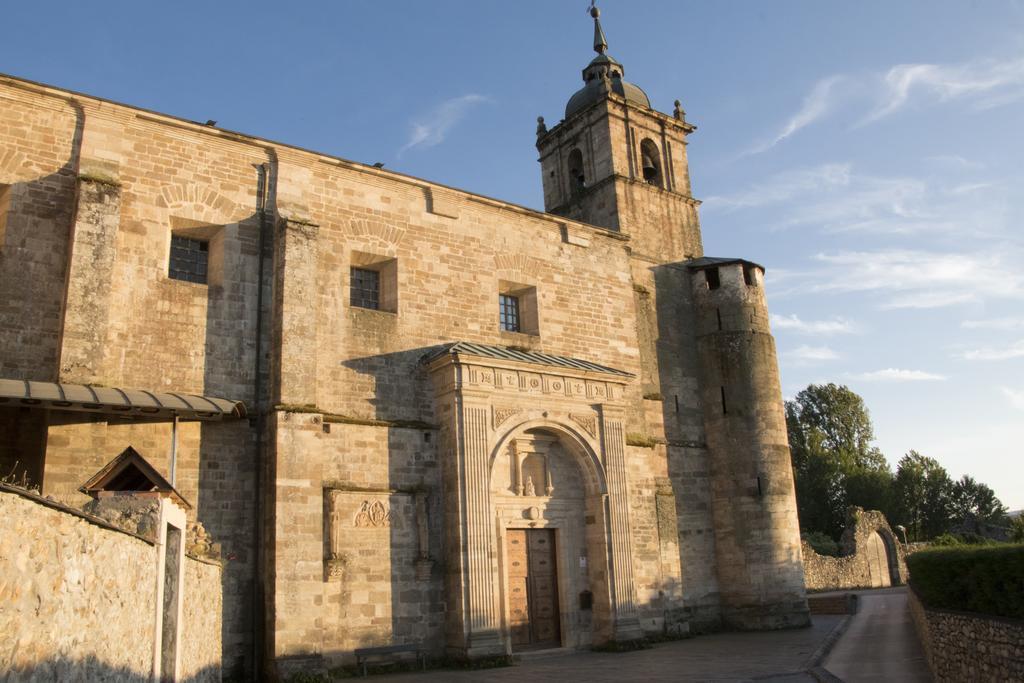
(483, 399)
(547, 478)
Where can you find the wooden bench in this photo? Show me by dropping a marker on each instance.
(363, 653)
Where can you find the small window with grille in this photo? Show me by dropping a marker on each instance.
(365, 288)
(517, 309)
(189, 259)
(508, 312)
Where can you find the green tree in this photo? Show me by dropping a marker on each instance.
(1017, 529)
(970, 497)
(923, 495)
(834, 463)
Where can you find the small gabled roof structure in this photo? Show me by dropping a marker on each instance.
(130, 473)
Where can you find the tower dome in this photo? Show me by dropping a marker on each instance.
(604, 74)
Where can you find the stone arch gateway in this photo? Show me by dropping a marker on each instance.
(536, 502)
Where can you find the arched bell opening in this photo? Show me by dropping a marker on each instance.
(547, 492)
(650, 162)
(577, 178)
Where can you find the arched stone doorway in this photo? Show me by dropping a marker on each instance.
(548, 500)
(512, 422)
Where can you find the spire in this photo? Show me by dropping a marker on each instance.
(600, 42)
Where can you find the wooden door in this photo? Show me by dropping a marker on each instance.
(878, 561)
(533, 588)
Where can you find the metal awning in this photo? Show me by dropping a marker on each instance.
(113, 401)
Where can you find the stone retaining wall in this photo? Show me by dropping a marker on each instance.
(77, 599)
(961, 646)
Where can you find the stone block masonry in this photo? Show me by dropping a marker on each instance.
(405, 446)
(77, 599)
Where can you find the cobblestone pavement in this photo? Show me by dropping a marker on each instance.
(766, 656)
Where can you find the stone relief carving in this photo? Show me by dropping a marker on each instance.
(373, 514)
(503, 414)
(334, 568)
(587, 422)
(519, 381)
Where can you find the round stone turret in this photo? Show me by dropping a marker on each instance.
(757, 534)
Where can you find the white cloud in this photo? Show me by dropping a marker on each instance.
(816, 104)
(987, 82)
(431, 129)
(994, 324)
(811, 354)
(954, 161)
(834, 198)
(966, 188)
(1015, 396)
(1014, 350)
(920, 279)
(898, 375)
(990, 82)
(783, 187)
(819, 327)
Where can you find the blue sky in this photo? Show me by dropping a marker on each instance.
(866, 153)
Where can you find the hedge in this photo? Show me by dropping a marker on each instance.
(986, 579)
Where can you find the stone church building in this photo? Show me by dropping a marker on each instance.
(407, 413)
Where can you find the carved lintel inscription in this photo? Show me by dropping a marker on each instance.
(373, 514)
(502, 414)
(587, 422)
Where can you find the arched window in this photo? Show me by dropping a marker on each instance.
(577, 179)
(650, 162)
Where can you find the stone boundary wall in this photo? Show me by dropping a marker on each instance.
(852, 569)
(962, 646)
(77, 598)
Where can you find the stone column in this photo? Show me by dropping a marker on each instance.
(295, 311)
(613, 439)
(89, 284)
(480, 618)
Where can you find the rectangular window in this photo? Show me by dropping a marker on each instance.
(711, 276)
(508, 312)
(189, 259)
(365, 288)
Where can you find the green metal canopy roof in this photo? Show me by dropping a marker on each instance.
(507, 353)
(113, 401)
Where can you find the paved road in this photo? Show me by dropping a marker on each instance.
(777, 656)
(880, 643)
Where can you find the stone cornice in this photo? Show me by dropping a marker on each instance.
(485, 377)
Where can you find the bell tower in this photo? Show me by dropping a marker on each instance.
(616, 163)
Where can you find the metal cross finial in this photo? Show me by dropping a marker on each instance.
(600, 42)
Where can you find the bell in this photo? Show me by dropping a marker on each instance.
(650, 170)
